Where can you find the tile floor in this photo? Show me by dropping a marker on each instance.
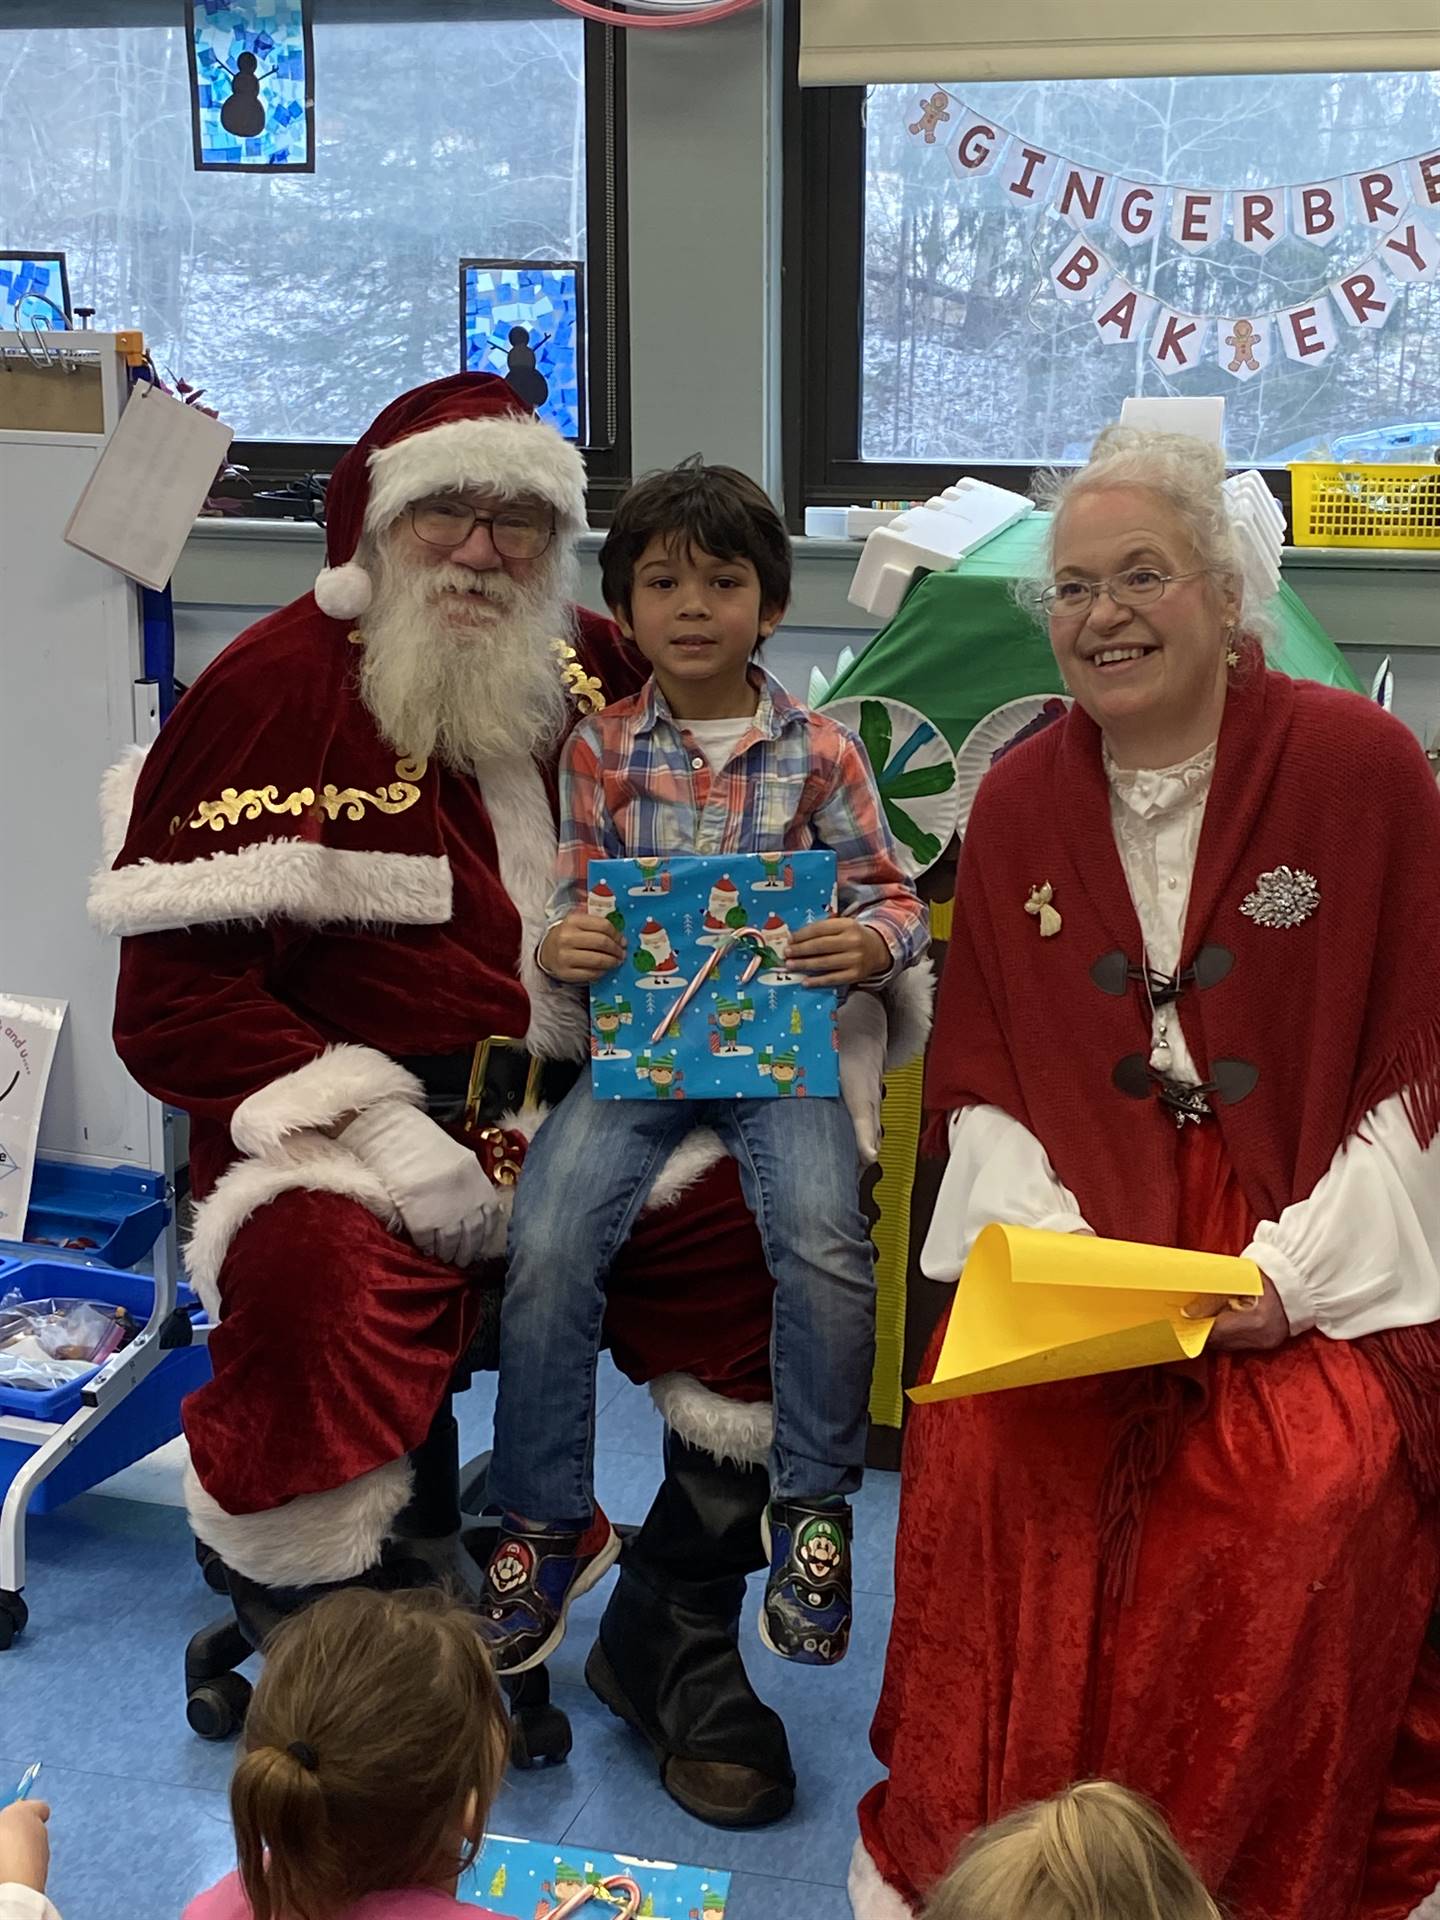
(94, 1689)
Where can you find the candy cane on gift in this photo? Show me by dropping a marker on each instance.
(736, 936)
(618, 1891)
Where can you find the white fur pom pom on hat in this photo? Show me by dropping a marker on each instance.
(343, 592)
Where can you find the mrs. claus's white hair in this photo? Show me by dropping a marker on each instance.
(1186, 473)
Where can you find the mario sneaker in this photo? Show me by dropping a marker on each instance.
(533, 1575)
(806, 1611)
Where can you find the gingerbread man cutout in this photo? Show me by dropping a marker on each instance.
(1243, 340)
(932, 112)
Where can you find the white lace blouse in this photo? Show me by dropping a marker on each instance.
(1361, 1253)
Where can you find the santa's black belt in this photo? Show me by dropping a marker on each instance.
(476, 1086)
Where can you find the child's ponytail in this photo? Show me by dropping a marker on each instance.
(374, 1746)
(277, 1804)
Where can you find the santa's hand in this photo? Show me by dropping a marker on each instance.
(582, 947)
(864, 1035)
(441, 1191)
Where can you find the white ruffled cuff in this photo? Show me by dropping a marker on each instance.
(997, 1171)
(1362, 1253)
(343, 1080)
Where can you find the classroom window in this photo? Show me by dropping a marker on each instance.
(946, 346)
(303, 302)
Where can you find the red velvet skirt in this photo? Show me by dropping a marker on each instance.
(1266, 1680)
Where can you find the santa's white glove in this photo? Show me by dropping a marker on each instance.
(442, 1193)
(864, 1035)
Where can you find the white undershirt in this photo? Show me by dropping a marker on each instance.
(1361, 1253)
(718, 739)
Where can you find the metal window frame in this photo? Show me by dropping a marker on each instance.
(823, 318)
(276, 464)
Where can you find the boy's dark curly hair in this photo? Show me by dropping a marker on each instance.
(716, 510)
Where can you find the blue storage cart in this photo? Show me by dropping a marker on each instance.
(101, 1133)
(57, 1444)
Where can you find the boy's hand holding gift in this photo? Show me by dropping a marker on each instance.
(838, 953)
(582, 947)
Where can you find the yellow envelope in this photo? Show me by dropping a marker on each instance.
(1033, 1306)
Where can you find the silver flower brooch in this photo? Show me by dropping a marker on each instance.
(1282, 898)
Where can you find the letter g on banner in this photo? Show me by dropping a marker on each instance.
(976, 146)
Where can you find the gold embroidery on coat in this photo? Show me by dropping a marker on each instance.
(233, 806)
(584, 689)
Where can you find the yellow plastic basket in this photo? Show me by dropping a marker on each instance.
(1379, 506)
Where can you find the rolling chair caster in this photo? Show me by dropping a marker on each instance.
(13, 1615)
(217, 1698)
(539, 1732)
(216, 1709)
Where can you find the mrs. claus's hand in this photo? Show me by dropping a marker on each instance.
(1255, 1330)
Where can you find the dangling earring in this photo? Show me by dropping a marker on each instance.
(1232, 652)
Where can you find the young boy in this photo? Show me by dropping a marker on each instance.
(710, 757)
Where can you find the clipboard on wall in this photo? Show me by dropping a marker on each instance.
(150, 482)
(49, 390)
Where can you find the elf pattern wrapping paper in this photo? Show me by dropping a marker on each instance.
(766, 1038)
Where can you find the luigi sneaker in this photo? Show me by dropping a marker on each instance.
(806, 1611)
(533, 1575)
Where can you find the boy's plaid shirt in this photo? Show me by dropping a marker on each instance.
(630, 783)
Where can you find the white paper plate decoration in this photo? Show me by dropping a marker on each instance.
(914, 770)
(998, 730)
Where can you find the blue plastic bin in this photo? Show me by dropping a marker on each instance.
(145, 1419)
(120, 1211)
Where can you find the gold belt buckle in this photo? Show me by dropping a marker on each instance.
(480, 1067)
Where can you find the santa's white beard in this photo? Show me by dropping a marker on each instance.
(443, 684)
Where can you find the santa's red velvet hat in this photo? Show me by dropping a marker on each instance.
(468, 430)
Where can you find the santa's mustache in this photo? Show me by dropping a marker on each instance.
(497, 587)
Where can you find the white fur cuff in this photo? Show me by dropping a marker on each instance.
(735, 1432)
(871, 1896)
(342, 1080)
(273, 879)
(316, 1539)
(910, 1007)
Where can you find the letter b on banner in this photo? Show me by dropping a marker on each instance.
(1076, 273)
(1315, 212)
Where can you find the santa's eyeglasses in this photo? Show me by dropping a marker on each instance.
(518, 533)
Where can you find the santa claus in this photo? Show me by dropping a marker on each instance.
(329, 875)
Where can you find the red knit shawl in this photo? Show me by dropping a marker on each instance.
(1337, 1013)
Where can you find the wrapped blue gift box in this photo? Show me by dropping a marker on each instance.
(771, 1037)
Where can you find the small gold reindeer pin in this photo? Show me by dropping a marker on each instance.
(1039, 905)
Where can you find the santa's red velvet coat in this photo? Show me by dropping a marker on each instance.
(299, 905)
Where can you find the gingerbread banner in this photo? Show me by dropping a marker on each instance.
(1195, 216)
(1242, 344)
(1397, 205)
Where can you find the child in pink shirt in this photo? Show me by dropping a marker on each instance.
(374, 1746)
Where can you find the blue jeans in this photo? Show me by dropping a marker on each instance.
(587, 1175)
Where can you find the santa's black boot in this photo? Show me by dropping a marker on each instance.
(667, 1659)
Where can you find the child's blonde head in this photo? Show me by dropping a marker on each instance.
(1094, 1852)
(374, 1746)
